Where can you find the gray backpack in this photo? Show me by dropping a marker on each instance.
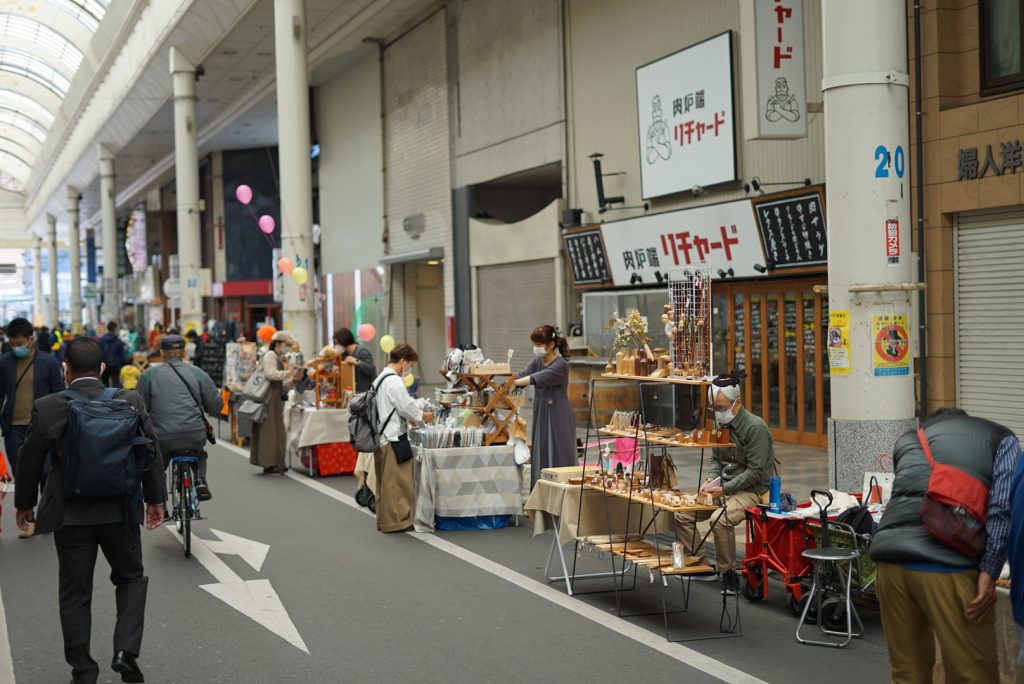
(363, 420)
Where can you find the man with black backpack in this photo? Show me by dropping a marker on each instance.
(941, 545)
(178, 396)
(105, 464)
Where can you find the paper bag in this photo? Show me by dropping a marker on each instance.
(877, 488)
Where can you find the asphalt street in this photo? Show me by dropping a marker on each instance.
(291, 582)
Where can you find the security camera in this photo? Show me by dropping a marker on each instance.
(698, 191)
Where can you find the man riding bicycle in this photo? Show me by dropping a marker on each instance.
(176, 394)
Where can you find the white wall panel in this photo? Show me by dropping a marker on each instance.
(351, 167)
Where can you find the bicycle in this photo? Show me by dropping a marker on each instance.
(184, 499)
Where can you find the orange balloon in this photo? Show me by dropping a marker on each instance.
(265, 333)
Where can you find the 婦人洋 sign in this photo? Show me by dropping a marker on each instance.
(686, 118)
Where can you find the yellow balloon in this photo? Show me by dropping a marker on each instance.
(300, 275)
(409, 380)
(387, 343)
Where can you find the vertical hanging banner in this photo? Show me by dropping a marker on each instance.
(781, 93)
(891, 345)
(839, 361)
(276, 254)
(892, 242)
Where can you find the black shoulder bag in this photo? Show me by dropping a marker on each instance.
(210, 437)
(401, 446)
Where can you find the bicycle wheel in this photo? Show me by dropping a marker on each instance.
(175, 487)
(186, 510)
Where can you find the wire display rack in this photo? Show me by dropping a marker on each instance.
(689, 324)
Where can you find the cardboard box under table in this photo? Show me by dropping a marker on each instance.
(465, 482)
(318, 439)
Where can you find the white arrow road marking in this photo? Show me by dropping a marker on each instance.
(256, 599)
(252, 552)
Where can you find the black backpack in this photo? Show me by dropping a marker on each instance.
(104, 448)
(859, 518)
(363, 421)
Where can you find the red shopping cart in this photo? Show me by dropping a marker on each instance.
(774, 547)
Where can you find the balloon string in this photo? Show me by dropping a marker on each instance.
(270, 240)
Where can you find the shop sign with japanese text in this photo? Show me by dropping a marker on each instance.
(781, 95)
(972, 164)
(686, 119)
(643, 250)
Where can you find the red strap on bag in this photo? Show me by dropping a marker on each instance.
(954, 487)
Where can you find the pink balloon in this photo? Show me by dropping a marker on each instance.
(285, 265)
(267, 224)
(367, 332)
(243, 194)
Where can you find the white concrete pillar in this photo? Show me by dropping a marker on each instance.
(51, 251)
(75, 257)
(867, 150)
(38, 308)
(296, 173)
(110, 305)
(186, 181)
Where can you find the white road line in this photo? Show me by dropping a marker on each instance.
(6, 661)
(683, 654)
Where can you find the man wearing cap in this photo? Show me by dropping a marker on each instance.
(178, 396)
(744, 471)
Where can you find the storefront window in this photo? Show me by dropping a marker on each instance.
(810, 356)
(772, 327)
(720, 334)
(789, 348)
(754, 400)
(1000, 36)
(739, 318)
(826, 396)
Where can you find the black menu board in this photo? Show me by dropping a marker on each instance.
(212, 359)
(584, 252)
(792, 227)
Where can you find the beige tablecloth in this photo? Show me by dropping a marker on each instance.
(465, 482)
(306, 426)
(554, 498)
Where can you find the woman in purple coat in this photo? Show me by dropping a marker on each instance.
(554, 428)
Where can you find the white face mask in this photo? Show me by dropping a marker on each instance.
(725, 417)
(540, 352)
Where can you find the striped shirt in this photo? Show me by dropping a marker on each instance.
(997, 529)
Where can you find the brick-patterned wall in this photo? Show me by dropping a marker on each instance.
(955, 116)
(416, 149)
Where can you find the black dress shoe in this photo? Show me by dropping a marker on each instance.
(203, 491)
(125, 665)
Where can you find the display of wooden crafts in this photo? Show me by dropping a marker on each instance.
(687, 320)
(631, 350)
(331, 379)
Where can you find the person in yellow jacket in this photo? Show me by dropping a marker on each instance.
(130, 373)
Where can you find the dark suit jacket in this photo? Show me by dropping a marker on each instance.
(45, 435)
(48, 379)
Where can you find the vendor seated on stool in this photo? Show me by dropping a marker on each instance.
(745, 471)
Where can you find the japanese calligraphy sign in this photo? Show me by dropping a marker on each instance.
(687, 134)
(781, 94)
(891, 345)
(585, 255)
(972, 165)
(839, 342)
(643, 250)
(792, 225)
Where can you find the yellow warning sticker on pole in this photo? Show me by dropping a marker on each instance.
(891, 345)
(839, 342)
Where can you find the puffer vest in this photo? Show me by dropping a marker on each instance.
(965, 442)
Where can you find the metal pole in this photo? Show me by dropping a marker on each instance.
(51, 252)
(38, 314)
(186, 178)
(110, 306)
(922, 322)
(867, 145)
(296, 172)
(75, 258)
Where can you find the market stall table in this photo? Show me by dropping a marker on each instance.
(464, 483)
(310, 428)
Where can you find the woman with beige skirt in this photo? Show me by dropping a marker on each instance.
(395, 410)
(267, 445)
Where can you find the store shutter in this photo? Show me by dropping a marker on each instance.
(990, 316)
(513, 300)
